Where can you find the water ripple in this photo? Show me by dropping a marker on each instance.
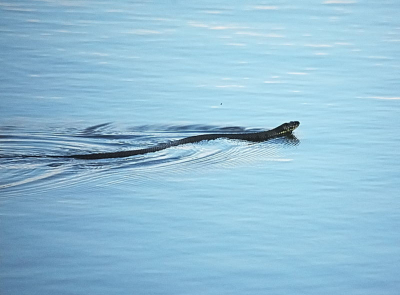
(25, 169)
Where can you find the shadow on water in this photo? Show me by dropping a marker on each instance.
(24, 165)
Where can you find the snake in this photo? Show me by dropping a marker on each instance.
(282, 130)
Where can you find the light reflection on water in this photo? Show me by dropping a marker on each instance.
(210, 218)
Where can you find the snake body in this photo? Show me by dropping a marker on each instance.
(282, 130)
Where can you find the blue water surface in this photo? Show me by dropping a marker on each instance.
(314, 215)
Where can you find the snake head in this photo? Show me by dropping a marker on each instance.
(292, 125)
(289, 127)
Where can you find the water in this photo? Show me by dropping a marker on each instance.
(317, 215)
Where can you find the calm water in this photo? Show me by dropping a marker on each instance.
(316, 215)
